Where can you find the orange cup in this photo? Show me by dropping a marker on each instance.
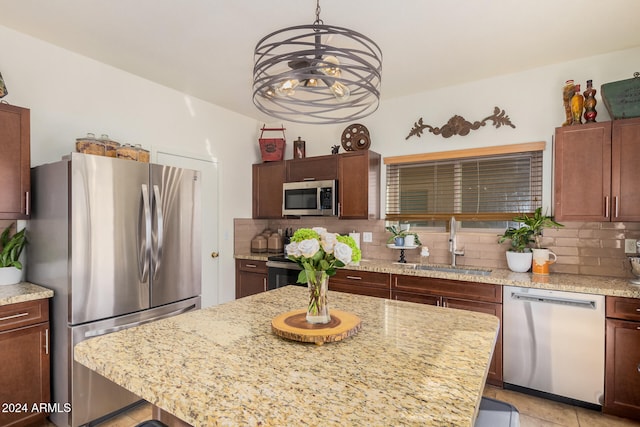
(542, 258)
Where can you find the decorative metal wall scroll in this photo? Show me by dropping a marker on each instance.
(458, 125)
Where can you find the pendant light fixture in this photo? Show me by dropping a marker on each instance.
(317, 74)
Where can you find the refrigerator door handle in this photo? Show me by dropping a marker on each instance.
(144, 224)
(157, 257)
(99, 332)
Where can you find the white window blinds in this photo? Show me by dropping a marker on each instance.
(471, 185)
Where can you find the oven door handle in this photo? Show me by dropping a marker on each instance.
(284, 265)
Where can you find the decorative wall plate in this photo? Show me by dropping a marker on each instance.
(355, 137)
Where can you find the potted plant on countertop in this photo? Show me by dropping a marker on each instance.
(399, 236)
(519, 254)
(11, 248)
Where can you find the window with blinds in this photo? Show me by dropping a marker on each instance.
(492, 187)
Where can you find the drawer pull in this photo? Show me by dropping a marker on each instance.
(15, 316)
(354, 277)
(251, 265)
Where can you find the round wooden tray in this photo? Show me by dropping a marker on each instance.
(293, 326)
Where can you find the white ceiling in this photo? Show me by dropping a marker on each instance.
(205, 47)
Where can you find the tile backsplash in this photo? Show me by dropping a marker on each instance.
(590, 248)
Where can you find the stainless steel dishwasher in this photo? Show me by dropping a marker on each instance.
(553, 344)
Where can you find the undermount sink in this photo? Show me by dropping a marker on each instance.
(453, 269)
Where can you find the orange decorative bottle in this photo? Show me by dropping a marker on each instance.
(577, 105)
(567, 92)
(590, 102)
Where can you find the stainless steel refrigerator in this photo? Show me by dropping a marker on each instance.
(119, 243)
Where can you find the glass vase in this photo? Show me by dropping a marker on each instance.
(318, 309)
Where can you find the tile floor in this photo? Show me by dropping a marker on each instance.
(534, 412)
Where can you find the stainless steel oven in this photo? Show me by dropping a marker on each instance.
(281, 271)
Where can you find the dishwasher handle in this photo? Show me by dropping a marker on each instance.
(553, 300)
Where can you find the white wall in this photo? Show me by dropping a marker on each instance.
(70, 95)
(532, 99)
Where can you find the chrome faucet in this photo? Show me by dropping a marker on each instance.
(452, 242)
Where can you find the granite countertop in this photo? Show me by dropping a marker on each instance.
(612, 286)
(410, 364)
(21, 292)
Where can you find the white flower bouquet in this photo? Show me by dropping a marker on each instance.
(315, 249)
(319, 253)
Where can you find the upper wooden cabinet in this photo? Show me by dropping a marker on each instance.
(596, 171)
(318, 168)
(359, 185)
(267, 189)
(15, 162)
(357, 172)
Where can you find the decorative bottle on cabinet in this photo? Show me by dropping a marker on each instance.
(577, 105)
(567, 92)
(590, 102)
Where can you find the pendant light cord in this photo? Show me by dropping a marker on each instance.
(318, 21)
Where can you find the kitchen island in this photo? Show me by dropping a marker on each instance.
(410, 364)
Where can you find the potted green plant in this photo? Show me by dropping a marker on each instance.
(11, 248)
(519, 254)
(398, 236)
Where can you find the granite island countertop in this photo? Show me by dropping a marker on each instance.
(21, 292)
(612, 286)
(410, 364)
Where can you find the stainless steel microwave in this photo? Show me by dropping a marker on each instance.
(311, 198)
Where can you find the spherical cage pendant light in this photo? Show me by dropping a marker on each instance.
(317, 74)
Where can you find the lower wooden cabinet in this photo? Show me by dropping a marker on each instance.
(361, 283)
(480, 297)
(251, 277)
(622, 358)
(24, 363)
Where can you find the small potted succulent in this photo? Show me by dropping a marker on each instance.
(519, 254)
(10, 249)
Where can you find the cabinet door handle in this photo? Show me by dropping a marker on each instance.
(615, 204)
(638, 367)
(264, 284)
(354, 277)
(606, 207)
(46, 341)
(27, 205)
(15, 316)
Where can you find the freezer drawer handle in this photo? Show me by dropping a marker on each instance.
(97, 333)
(552, 300)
